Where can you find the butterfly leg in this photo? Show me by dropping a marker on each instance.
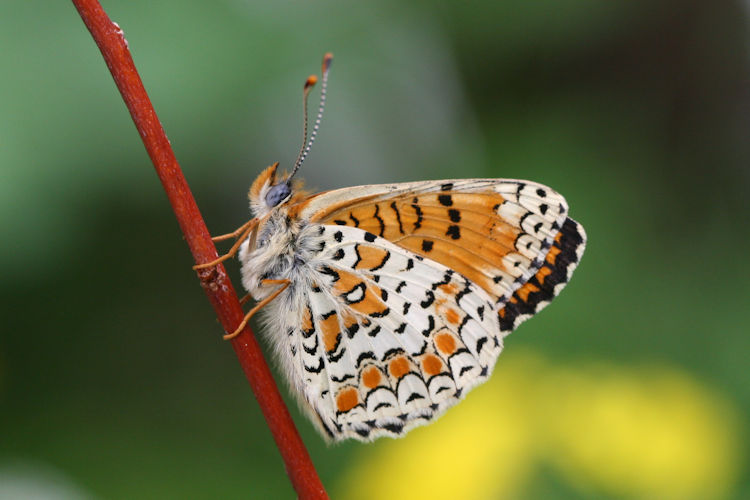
(284, 283)
(237, 232)
(243, 231)
(246, 298)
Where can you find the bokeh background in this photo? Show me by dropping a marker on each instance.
(114, 382)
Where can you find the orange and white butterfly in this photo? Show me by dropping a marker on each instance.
(386, 304)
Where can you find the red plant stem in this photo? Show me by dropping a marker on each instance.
(217, 286)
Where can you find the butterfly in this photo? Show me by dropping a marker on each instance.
(386, 304)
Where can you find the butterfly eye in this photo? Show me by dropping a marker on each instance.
(277, 194)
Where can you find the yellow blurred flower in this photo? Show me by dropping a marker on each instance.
(647, 433)
(639, 433)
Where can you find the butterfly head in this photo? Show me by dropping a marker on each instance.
(266, 193)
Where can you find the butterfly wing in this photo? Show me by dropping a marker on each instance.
(391, 338)
(495, 232)
(417, 284)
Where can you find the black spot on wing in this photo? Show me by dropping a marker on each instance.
(356, 294)
(464, 369)
(315, 369)
(446, 200)
(377, 217)
(407, 305)
(329, 272)
(382, 263)
(413, 396)
(362, 431)
(333, 357)
(465, 290)
(306, 333)
(343, 378)
(380, 314)
(352, 330)
(390, 352)
(463, 323)
(398, 217)
(420, 216)
(446, 279)
(359, 257)
(313, 349)
(365, 356)
(427, 331)
(327, 429)
(381, 405)
(480, 344)
(393, 427)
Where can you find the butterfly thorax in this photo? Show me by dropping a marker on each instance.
(283, 249)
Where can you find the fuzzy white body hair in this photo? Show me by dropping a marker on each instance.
(285, 249)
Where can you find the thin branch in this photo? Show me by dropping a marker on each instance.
(215, 282)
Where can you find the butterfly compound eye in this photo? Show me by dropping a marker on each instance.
(277, 194)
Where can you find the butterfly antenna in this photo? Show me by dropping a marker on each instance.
(312, 80)
(309, 84)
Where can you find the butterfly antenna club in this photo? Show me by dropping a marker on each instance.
(309, 84)
(311, 81)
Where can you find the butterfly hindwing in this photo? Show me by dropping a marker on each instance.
(402, 338)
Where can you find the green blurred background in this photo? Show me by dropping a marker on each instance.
(114, 382)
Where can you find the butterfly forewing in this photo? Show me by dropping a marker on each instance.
(494, 232)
